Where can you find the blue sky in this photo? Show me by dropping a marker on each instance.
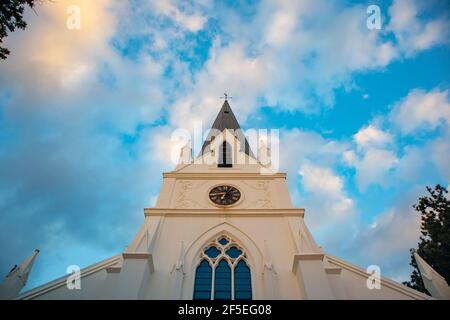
(86, 117)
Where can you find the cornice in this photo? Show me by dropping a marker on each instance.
(224, 175)
(297, 212)
(136, 255)
(311, 256)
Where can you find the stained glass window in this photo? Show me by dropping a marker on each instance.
(242, 282)
(203, 280)
(226, 259)
(234, 252)
(223, 241)
(212, 252)
(222, 281)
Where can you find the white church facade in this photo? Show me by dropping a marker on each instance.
(223, 229)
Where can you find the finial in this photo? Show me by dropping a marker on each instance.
(226, 97)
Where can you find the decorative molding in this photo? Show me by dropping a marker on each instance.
(309, 256)
(306, 257)
(224, 175)
(140, 256)
(331, 270)
(297, 212)
(182, 199)
(265, 196)
(136, 255)
(113, 269)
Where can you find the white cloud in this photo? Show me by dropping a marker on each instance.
(392, 231)
(372, 159)
(330, 213)
(326, 197)
(228, 69)
(375, 156)
(192, 22)
(440, 155)
(372, 136)
(280, 27)
(298, 147)
(412, 33)
(387, 240)
(72, 98)
(290, 55)
(421, 110)
(309, 158)
(417, 162)
(321, 180)
(374, 166)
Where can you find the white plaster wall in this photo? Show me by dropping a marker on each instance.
(249, 232)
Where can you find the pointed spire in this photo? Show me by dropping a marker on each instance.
(17, 278)
(226, 120)
(433, 281)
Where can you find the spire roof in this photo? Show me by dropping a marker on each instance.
(226, 120)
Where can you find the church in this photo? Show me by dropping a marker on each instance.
(224, 227)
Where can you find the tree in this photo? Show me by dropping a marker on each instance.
(434, 244)
(11, 17)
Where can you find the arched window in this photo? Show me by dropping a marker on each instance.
(225, 262)
(225, 156)
(222, 281)
(242, 281)
(203, 277)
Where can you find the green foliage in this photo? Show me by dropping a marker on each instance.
(11, 17)
(434, 244)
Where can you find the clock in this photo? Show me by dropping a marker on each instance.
(224, 195)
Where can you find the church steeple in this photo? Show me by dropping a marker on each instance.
(226, 120)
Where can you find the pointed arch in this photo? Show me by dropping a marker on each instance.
(226, 261)
(231, 230)
(253, 258)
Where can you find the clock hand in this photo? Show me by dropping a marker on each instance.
(226, 194)
(217, 193)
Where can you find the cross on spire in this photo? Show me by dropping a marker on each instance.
(226, 97)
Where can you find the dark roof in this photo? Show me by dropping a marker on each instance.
(226, 120)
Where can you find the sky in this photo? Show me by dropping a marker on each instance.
(86, 116)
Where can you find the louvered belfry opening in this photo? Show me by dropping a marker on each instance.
(225, 156)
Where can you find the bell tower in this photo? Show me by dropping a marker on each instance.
(224, 228)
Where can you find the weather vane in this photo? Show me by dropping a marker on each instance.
(226, 97)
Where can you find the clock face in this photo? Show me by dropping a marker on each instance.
(224, 195)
